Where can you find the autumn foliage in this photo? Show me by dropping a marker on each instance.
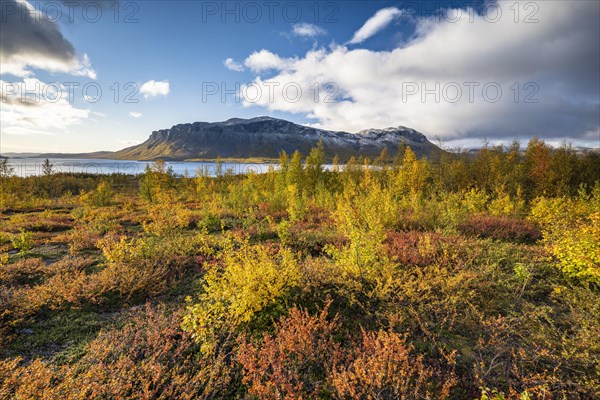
(461, 276)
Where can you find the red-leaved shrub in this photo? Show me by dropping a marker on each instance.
(294, 362)
(383, 366)
(501, 228)
(149, 358)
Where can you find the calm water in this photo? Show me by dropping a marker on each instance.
(33, 166)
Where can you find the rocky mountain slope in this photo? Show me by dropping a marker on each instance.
(266, 137)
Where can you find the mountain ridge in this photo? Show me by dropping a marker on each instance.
(265, 137)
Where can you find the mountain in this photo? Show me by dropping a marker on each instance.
(97, 155)
(266, 137)
(19, 155)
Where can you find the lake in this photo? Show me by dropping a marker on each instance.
(33, 166)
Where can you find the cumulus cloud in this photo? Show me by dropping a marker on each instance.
(264, 60)
(375, 24)
(232, 65)
(35, 107)
(307, 30)
(29, 39)
(135, 114)
(444, 81)
(154, 88)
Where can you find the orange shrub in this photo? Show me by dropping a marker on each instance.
(295, 361)
(506, 229)
(28, 285)
(145, 266)
(426, 248)
(413, 248)
(82, 239)
(149, 358)
(21, 272)
(383, 366)
(46, 221)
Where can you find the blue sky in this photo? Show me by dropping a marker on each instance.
(380, 58)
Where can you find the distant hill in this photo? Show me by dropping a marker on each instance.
(19, 155)
(578, 149)
(97, 154)
(266, 137)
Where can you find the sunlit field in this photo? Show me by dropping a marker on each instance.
(457, 276)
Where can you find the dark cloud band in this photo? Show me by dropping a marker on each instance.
(24, 34)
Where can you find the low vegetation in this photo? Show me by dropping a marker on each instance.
(456, 277)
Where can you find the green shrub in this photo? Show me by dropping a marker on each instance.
(100, 197)
(22, 241)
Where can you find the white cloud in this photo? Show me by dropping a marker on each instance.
(264, 60)
(376, 23)
(24, 131)
(21, 65)
(84, 68)
(555, 61)
(232, 65)
(135, 114)
(307, 30)
(34, 107)
(155, 88)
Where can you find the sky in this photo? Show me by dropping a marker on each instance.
(82, 76)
